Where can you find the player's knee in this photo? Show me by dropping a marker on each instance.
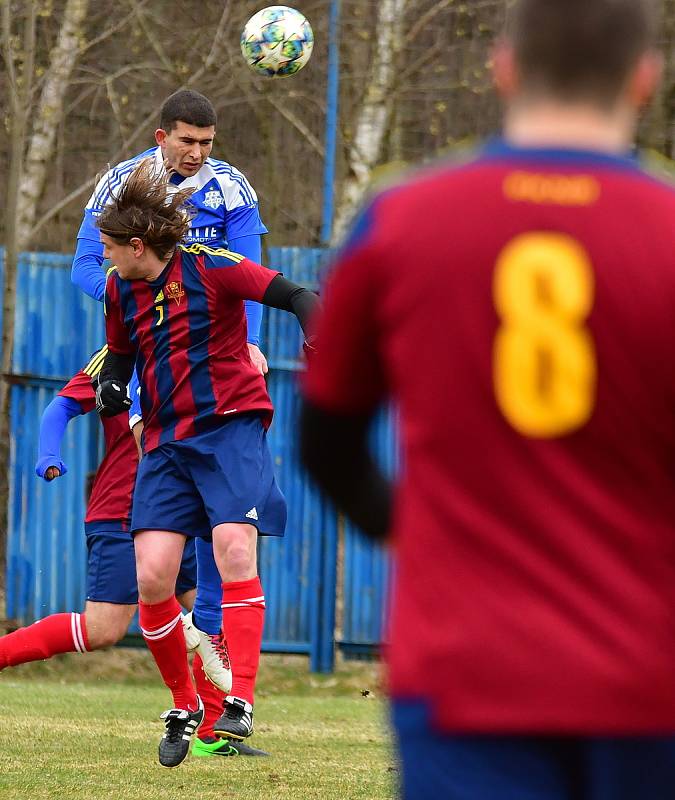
(240, 561)
(153, 583)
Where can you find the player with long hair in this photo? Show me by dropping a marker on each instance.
(176, 313)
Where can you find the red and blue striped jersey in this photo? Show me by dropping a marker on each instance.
(524, 325)
(187, 329)
(113, 486)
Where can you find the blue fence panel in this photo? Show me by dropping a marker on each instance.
(298, 571)
(57, 328)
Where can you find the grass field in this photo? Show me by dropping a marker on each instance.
(87, 727)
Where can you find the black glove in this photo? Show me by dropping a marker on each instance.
(111, 398)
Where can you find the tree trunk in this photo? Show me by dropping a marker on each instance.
(374, 114)
(27, 175)
(47, 118)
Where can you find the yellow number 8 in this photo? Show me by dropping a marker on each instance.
(544, 358)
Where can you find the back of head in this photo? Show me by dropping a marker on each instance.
(146, 209)
(187, 106)
(579, 50)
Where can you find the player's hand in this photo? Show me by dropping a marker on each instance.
(112, 398)
(309, 347)
(50, 467)
(258, 359)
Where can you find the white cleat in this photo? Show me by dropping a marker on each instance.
(213, 650)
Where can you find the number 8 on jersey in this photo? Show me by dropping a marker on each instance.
(544, 358)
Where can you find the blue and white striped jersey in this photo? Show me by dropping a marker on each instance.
(225, 204)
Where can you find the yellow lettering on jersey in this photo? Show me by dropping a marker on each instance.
(160, 311)
(197, 249)
(544, 363)
(551, 189)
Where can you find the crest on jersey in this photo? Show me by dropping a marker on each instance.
(174, 291)
(213, 199)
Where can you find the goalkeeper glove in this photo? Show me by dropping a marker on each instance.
(111, 398)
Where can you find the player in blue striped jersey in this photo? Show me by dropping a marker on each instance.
(224, 204)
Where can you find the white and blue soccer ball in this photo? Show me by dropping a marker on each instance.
(277, 41)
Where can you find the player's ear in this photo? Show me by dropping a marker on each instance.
(160, 136)
(645, 78)
(504, 69)
(137, 246)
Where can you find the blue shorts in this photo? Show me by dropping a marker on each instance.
(223, 475)
(111, 567)
(437, 765)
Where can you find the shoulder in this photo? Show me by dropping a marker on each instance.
(113, 285)
(236, 188)
(210, 257)
(114, 178)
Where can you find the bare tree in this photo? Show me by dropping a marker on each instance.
(35, 111)
(374, 113)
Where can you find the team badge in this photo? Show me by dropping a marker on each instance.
(174, 291)
(213, 199)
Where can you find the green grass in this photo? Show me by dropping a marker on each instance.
(87, 727)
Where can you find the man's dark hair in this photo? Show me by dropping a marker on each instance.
(579, 50)
(187, 106)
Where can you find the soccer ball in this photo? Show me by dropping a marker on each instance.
(277, 41)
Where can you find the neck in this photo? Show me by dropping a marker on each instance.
(579, 127)
(157, 266)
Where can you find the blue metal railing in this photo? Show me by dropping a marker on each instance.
(57, 328)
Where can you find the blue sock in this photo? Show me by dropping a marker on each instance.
(207, 613)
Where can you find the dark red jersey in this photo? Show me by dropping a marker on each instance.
(520, 310)
(188, 331)
(113, 486)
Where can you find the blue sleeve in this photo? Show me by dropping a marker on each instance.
(134, 389)
(250, 246)
(243, 221)
(86, 272)
(53, 425)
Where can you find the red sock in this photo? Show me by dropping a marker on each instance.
(58, 633)
(163, 633)
(211, 696)
(243, 620)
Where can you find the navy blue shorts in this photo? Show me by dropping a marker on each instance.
(437, 765)
(111, 567)
(223, 475)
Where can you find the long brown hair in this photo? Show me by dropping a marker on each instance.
(144, 208)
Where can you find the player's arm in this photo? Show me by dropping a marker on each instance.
(247, 280)
(76, 398)
(111, 383)
(343, 388)
(334, 449)
(55, 419)
(250, 246)
(288, 296)
(135, 413)
(87, 269)
(244, 229)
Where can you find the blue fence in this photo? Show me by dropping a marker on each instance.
(57, 327)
